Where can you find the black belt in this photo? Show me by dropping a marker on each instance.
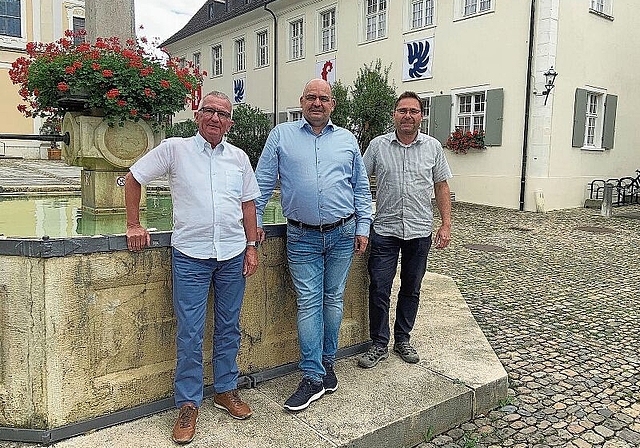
(321, 227)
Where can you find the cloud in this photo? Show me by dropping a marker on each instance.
(163, 18)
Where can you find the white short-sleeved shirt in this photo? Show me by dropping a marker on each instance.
(208, 187)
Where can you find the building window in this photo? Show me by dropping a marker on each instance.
(426, 106)
(296, 39)
(471, 7)
(602, 7)
(471, 109)
(240, 55)
(421, 13)
(262, 49)
(376, 19)
(78, 25)
(593, 122)
(294, 115)
(10, 18)
(328, 30)
(196, 60)
(216, 60)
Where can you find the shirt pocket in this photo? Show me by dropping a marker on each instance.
(234, 183)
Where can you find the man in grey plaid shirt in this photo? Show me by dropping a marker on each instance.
(409, 166)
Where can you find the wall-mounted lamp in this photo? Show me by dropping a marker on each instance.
(550, 79)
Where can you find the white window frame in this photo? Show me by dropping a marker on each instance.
(296, 39)
(470, 110)
(327, 38)
(420, 14)
(262, 48)
(217, 61)
(594, 121)
(472, 8)
(196, 60)
(375, 19)
(17, 42)
(602, 8)
(294, 114)
(240, 53)
(425, 101)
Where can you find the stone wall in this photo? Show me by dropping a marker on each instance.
(88, 334)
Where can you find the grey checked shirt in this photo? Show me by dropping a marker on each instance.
(405, 176)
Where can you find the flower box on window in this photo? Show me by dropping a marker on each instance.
(461, 141)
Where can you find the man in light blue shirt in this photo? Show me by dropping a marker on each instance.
(327, 202)
(214, 242)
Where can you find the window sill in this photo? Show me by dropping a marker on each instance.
(471, 16)
(601, 14)
(592, 148)
(13, 43)
(372, 41)
(417, 30)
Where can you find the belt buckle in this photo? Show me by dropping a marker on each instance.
(320, 228)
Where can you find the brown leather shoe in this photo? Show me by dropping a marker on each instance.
(185, 427)
(231, 402)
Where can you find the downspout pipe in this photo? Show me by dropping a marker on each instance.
(275, 62)
(527, 106)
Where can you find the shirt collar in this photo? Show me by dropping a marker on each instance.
(303, 122)
(203, 145)
(419, 138)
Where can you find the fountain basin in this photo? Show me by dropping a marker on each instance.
(87, 327)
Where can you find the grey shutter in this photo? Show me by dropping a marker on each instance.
(493, 125)
(282, 117)
(440, 118)
(579, 118)
(608, 131)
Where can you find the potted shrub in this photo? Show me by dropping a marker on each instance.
(122, 81)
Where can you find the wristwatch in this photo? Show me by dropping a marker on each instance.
(253, 243)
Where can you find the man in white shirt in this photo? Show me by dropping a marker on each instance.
(213, 188)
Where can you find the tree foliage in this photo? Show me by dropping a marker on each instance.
(250, 130)
(366, 109)
(186, 128)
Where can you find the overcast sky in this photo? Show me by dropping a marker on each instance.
(163, 18)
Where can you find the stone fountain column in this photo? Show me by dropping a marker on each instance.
(105, 153)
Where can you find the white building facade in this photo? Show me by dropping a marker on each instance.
(477, 64)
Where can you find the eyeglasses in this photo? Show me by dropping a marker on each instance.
(209, 112)
(412, 112)
(313, 98)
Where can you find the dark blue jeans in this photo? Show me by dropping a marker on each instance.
(383, 263)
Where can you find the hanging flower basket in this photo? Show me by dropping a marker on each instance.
(125, 81)
(461, 142)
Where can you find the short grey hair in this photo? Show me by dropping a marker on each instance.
(219, 95)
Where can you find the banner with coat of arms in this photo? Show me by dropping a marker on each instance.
(326, 70)
(418, 59)
(239, 90)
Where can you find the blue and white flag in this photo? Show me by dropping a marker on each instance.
(418, 59)
(239, 93)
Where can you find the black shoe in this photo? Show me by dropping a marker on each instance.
(330, 380)
(373, 356)
(307, 392)
(406, 352)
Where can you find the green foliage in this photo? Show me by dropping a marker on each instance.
(371, 106)
(428, 435)
(250, 130)
(186, 128)
(342, 112)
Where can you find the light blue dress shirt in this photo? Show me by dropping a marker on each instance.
(322, 177)
(208, 187)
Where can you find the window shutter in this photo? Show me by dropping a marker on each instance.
(440, 118)
(282, 117)
(579, 118)
(608, 131)
(493, 126)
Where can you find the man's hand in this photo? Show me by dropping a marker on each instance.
(443, 237)
(261, 235)
(250, 261)
(361, 244)
(137, 237)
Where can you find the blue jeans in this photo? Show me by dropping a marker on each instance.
(319, 264)
(192, 278)
(383, 263)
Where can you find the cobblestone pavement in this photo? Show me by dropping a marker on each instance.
(560, 305)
